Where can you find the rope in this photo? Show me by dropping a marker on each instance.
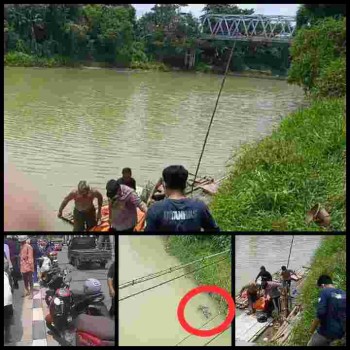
(212, 117)
(166, 271)
(198, 328)
(173, 279)
(290, 251)
(218, 335)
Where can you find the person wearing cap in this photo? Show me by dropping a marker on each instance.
(27, 265)
(123, 202)
(177, 213)
(84, 210)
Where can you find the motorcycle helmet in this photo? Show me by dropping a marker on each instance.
(92, 286)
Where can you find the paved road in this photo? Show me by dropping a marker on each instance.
(29, 327)
(79, 276)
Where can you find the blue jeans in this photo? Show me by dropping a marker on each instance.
(35, 273)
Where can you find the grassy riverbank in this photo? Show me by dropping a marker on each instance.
(274, 182)
(190, 248)
(20, 59)
(330, 259)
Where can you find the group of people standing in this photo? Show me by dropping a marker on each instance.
(21, 253)
(271, 289)
(20, 262)
(175, 213)
(330, 321)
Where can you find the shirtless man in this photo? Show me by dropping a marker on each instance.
(84, 210)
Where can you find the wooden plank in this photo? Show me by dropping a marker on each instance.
(247, 327)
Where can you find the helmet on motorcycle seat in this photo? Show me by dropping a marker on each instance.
(92, 286)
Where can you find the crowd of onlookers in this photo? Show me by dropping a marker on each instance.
(21, 260)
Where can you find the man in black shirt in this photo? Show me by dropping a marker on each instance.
(265, 275)
(126, 179)
(111, 287)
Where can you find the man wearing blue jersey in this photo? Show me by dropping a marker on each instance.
(331, 314)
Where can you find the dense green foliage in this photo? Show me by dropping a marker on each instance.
(318, 58)
(190, 248)
(112, 34)
(309, 14)
(275, 182)
(329, 259)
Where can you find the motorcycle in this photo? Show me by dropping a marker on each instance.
(65, 305)
(55, 280)
(88, 334)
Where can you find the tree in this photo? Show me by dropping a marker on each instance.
(309, 14)
(319, 53)
(167, 32)
(228, 9)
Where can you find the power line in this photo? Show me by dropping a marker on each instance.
(198, 328)
(166, 271)
(160, 284)
(218, 335)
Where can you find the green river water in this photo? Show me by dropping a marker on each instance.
(65, 125)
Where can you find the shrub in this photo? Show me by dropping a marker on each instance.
(202, 67)
(313, 51)
(149, 66)
(332, 80)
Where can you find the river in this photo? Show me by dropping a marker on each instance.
(150, 318)
(64, 125)
(271, 251)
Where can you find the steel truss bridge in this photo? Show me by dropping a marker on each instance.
(258, 28)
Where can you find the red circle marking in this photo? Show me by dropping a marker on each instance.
(206, 332)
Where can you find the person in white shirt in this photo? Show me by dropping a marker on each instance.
(8, 309)
(7, 254)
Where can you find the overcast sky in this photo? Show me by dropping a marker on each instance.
(263, 9)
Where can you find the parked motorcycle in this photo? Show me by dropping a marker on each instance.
(56, 279)
(94, 331)
(66, 305)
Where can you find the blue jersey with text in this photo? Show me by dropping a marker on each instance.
(180, 215)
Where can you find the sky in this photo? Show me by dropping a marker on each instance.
(262, 9)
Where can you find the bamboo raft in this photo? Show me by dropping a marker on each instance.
(248, 329)
(286, 326)
(203, 188)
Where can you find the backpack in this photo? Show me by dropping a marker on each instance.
(262, 318)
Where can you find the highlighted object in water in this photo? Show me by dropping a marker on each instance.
(206, 332)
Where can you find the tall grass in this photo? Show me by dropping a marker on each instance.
(329, 259)
(274, 182)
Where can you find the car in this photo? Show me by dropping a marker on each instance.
(58, 246)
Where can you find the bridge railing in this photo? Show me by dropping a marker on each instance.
(248, 27)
